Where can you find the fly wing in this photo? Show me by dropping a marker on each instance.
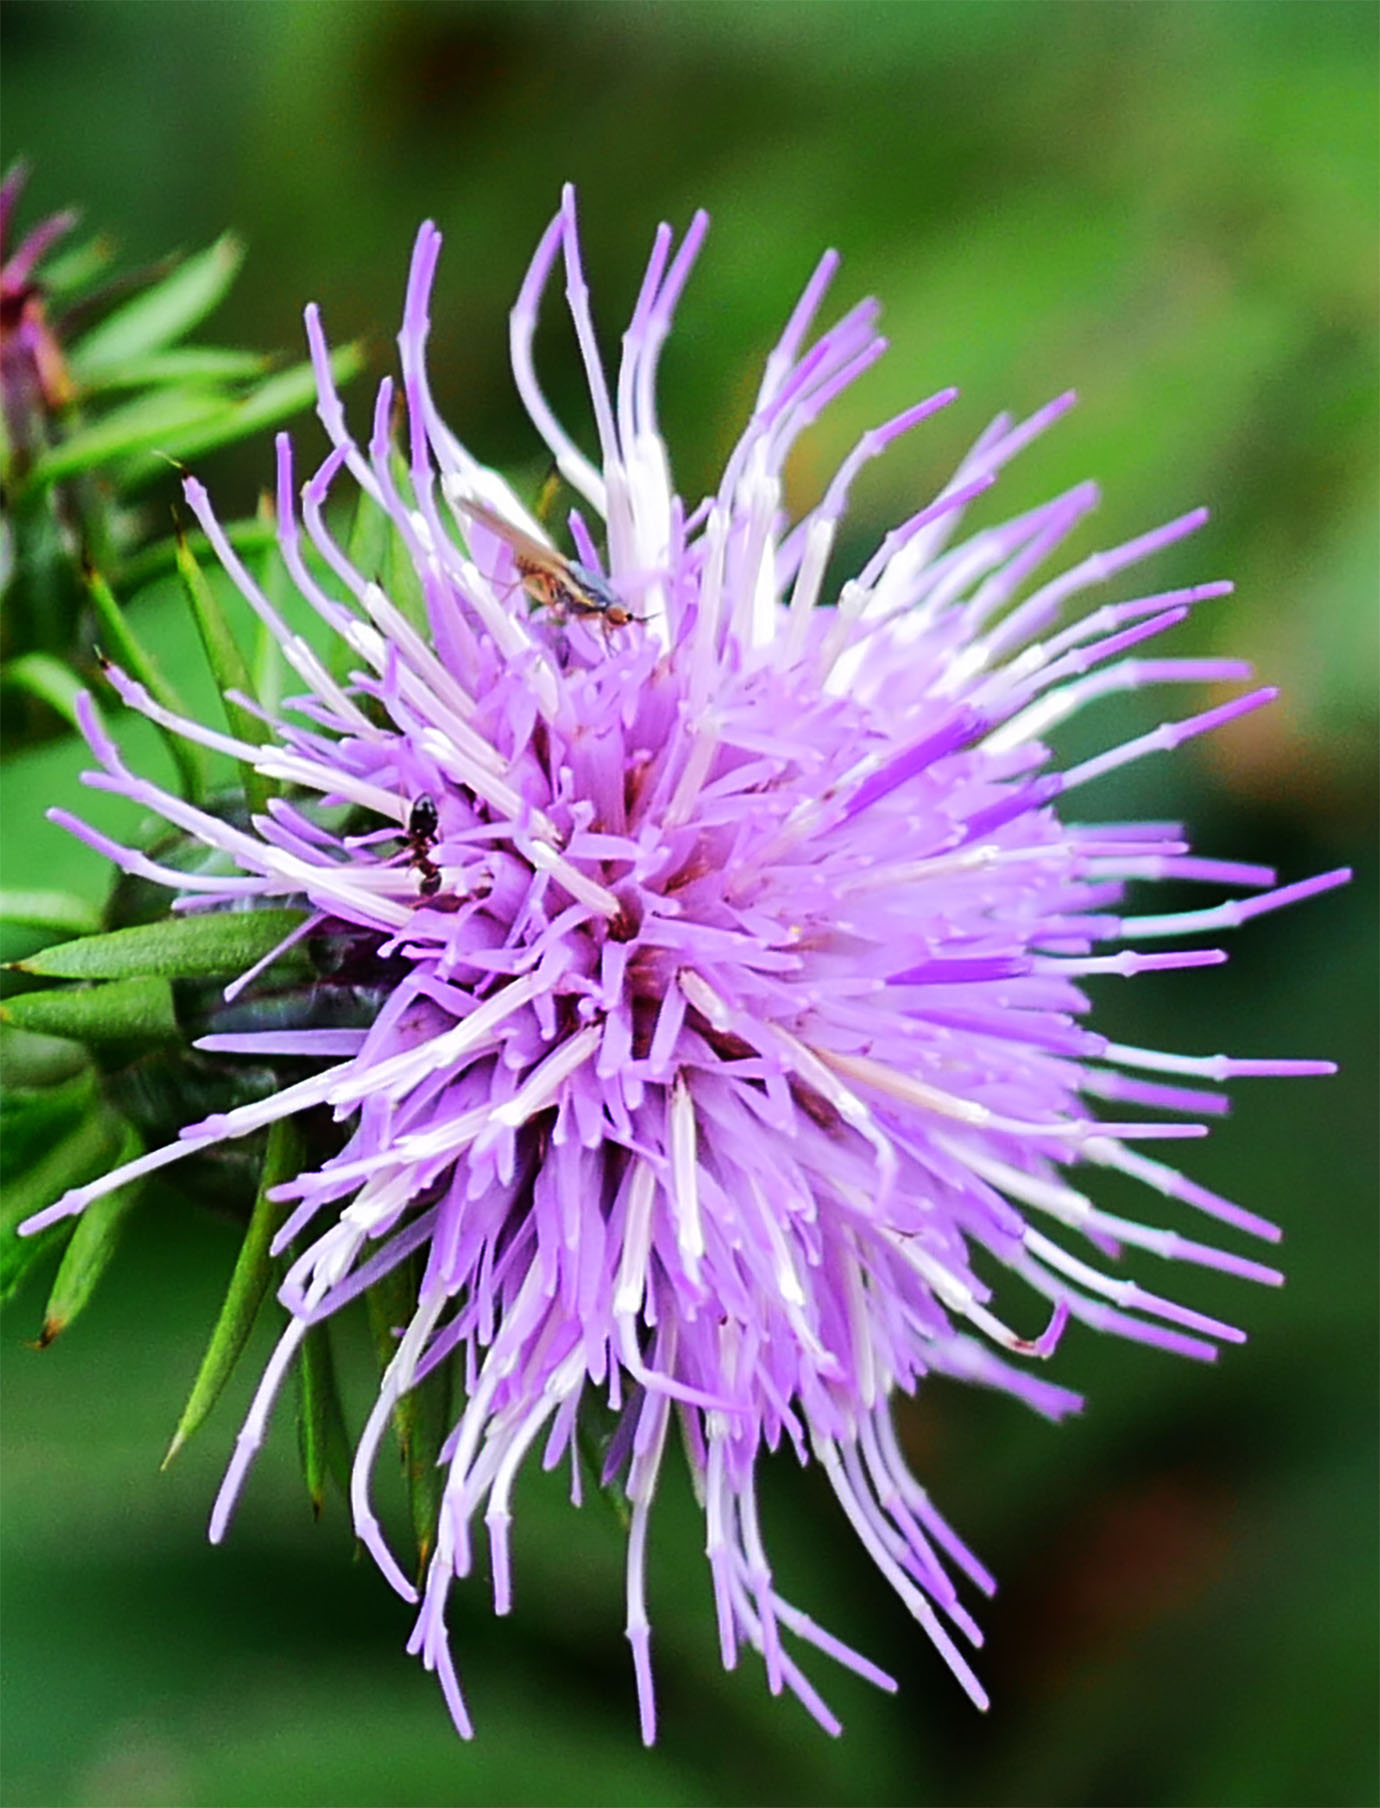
(595, 592)
(522, 543)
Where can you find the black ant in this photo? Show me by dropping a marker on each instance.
(422, 824)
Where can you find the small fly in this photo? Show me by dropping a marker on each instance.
(422, 824)
(557, 584)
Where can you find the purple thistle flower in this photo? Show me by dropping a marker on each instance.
(742, 942)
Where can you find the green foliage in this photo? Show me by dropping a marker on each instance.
(55, 1137)
(46, 680)
(215, 946)
(120, 1011)
(126, 651)
(422, 1418)
(54, 910)
(156, 318)
(228, 666)
(91, 1247)
(131, 403)
(323, 1442)
(254, 1268)
(81, 573)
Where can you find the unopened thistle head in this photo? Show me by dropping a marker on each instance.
(737, 935)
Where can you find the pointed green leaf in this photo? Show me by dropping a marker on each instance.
(41, 1062)
(218, 945)
(228, 668)
(289, 390)
(52, 1142)
(399, 577)
(248, 535)
(126, 651)
(47, 679)
(248, 1283)
(367, 546)
(161, 314)
(91, 1248)
(123, 1010)
(391, 1302)
(211, 365)
(68, 272)
(422, 1417)
(430, 1405)
(377, 551)
(40, 601)
(161, 418)
(60, 910)
(275, 400)
(591, 1450)
(34, 1123)
(322, 1437)
(270, 669)
(19, 1255)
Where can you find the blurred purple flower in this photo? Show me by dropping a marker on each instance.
(34, 379)
(743, 944)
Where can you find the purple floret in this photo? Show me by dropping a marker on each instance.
(743, 944)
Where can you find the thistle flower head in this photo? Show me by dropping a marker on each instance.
(738, 934)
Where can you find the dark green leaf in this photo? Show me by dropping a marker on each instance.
(42, 598)
(269, 667)
(430, 1407)
(403, 584)
(421, 1418)
(161, 314)
(323, 1440)
(38, 1061)
(91, 1248)
(163, 419)
(228, 668)
(218, 945)
(68, 272)
(247, 536)
(367, 546)
(34, 1122)
(591, 1452)
(391, 1302)
(126, 651)
(60, 910)
(208, 364)
(124, 1010)
(275, 400)
(18, 1255)
(47, 679)
(248, 1283)
(53, 1141)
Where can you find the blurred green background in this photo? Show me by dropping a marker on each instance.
(1172, 207)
